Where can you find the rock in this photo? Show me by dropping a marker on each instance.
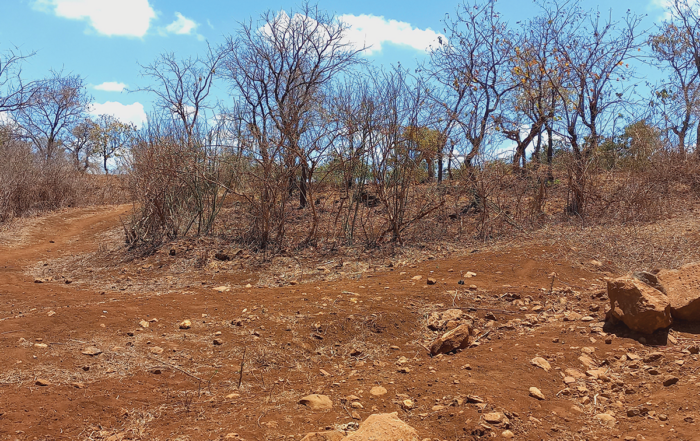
(144, 324)
(416, 277)
(653, 357)
(42, 382)
(670, 381)
(357, 405)
(78, 385)
(541, 363)
(51, 313)
(575, 373)
(316, 402)
(437, 321)
(431, 281)
(458, 338)
(682, 287)
(222, 256)
(233, 396)
(496, 418)
(606, 419)
(41, 345)
(91, 350)
(157, 350)
(407, 404)
(384, 427)
(377, 391)
(331, 435)
(536, 393)
(222, 289)
(639, 306)
(185, 324)
(507, 434)
(218, 342)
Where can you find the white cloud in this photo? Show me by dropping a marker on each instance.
(125, 113)
(373, 31)
(111, 86)
(182, 25)
(127, 18)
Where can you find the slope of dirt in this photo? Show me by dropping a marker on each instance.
(105, 356)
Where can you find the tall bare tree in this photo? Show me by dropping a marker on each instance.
(55, 106)
(15, 93)
(471, 72)
(279, 65)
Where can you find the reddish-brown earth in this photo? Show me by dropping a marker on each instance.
(338, 337)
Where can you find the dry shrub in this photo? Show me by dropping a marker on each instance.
(29, 185)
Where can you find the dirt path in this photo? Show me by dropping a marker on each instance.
(153, 380)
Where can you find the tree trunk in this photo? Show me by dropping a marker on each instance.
(550, 154)
(302, 186)
(439, 165)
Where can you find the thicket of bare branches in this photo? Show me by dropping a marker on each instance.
(379, 156)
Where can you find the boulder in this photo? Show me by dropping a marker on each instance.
(331, 435)
(437, 321)
(639, 306)
(458, 338)
(384, 427)
(316, 402)
(682, 287)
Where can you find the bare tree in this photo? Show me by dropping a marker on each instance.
(14, 92)
(183, 86)
(277, 68)
(593, 55)
(287, 60)
(471, 71)
(110, 138)
(55, 106)
(679, 96)
(81, 145)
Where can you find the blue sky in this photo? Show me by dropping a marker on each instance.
(105, 40)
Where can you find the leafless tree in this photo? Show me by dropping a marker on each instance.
(183, 86)
(673, 50)
(55, 106)
(593, 53)
(15, 93)
(471, 69)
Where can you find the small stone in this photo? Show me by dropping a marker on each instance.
(431, 281)
(663, 417)
(42, 382)
(437, 408)
(78, 385)
(92, 351)
(185, 324)
(670, 381)
(357, 405)
(536, 393)
(41, 345)
(541, 363)
(377, 391)
(507, 434)
(157, 350)
(606, 419)
(144, 324)
(222, 288)
(218, 342)
(416, 277)
(316, 402)
(355, 416)
(51, 313)
(495, 418)
(407, 404)
(233, 396)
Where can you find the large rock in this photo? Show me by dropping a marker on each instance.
(639, 306)
(437, 321)
(458, 338)
(316, 402)
(331, 435)
(682, 287)
(384, 427)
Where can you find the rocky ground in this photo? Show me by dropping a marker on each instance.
(152, 350)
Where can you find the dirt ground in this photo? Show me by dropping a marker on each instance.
(92, 351)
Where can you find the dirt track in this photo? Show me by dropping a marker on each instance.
(337, 338)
